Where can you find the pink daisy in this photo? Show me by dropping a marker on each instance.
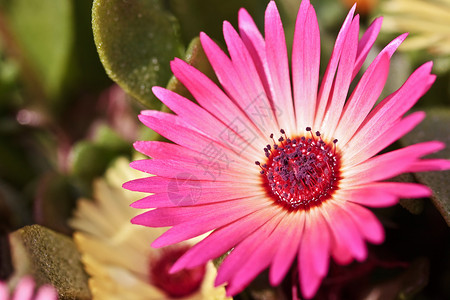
(25, 291)
(275, 166)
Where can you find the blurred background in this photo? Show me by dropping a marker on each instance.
(69, 106)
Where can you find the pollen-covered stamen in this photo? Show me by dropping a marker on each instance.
(301, 172)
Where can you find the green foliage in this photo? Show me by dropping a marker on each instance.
(90, 158)
(208, 16)
(136, 40)
(51, 258)
(41, 36)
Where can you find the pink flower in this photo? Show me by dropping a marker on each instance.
(313, 145)
(25, 291)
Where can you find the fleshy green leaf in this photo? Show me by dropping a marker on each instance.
(136, 40)
(436, 126)
(41, 36)
(51, 258)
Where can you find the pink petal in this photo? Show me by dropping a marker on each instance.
(381, 140)
(386, 114)
(393, 45)
(366, 43)
(287, 248)
(161, 150)
(223, 68)
(305, 65)
(168, 126)
(363, 107)
(345, 231)
(24, 289)
(153, 184)
(243, 252)
(430, 165)
(185, 108)
(314, 254)
(260, 258)
(202, 120)
(248, 96)
(175, 129)
(328, 78)
(256, 47)
(278, 67)
(363, 98)
(193, 193)
(192, 224)
(46, 292)
(370, 198)
(4, 291)
(390, 164)
(225, 238)
(169, 216)
(339, 251)
(212, 98)
(367, 223)
(342, 81)
(157, 184)
(319, 241)
(256, 104)
(212, 158)
(212, 154)
(399, 189)
(399, 102)
(183, 170)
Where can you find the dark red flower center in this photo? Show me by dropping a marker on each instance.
(302, 172)
(179, 284)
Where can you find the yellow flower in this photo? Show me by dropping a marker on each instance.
(428, 22)
(118, 256)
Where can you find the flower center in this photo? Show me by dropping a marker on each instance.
(179, 284)
(301, 173)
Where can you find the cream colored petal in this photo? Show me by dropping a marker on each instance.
(413, 25)
(418, 8)
(115, 252)
(110, 282)
(420, 41)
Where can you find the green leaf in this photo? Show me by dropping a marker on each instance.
(51, 258)
(41, 36)
(106, 137)
(436, 126)
(136, 40)
(208, 16)
(90, 160)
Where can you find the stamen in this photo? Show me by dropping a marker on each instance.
(334, 145)
(300, 173)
